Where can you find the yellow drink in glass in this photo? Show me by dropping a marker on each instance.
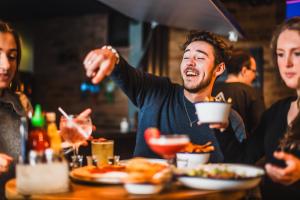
(102, 150)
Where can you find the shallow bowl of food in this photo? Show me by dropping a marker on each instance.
(222, 177)
(143, 188)
(212, 111)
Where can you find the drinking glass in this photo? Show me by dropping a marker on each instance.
(102, 150)
(75, 131)
(168, 145)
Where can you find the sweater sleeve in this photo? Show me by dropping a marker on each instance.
(140, 87)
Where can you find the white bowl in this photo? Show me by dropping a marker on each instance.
(138, 188)
(212, 112)
(191, 160)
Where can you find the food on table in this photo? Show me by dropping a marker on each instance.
(216, 172)
(141, 170)
(107, 168)
(106, 173)
(196, 148)
(218, 98)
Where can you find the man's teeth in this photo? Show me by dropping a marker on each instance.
(191, 73)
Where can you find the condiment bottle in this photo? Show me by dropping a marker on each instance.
(55, 139)
(38, 138)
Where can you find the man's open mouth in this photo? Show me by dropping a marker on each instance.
(191, 72)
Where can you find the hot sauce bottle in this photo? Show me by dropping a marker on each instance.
(38, 138)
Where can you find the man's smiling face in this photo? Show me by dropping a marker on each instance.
(197, 66)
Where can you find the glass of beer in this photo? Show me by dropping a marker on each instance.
(102, 150)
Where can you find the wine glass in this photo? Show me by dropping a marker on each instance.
(168, 145)
(75, 129)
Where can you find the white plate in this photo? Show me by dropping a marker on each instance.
(82, 174)
(252, 176)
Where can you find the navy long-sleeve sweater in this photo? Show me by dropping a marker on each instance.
(161, 105)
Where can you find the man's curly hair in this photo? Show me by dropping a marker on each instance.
(222, 50)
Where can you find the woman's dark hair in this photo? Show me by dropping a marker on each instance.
(290, 24)
(238, 60)
(6, 28)
(221, 50)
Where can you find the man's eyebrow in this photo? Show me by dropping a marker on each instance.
(200, 51)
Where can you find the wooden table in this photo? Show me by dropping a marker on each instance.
(109, 192)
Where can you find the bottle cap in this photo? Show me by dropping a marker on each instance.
(38, 118)
(51, 116)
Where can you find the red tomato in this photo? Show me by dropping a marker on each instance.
(151, 133)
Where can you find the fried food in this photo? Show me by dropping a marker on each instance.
(107, 168)
(195, 148)
(141, 170)
(219, 98)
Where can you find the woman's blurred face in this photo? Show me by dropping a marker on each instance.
(8, 59)
(288, 57)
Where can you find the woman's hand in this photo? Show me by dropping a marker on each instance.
(5, 161)
(100, 63)
(288, 175)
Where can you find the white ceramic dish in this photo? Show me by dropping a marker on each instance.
(191, 160)
(137, 188)
(212, 112)
(251, 178)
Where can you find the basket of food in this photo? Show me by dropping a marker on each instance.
(146, 176)
(193, 155)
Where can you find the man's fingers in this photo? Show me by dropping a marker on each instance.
(99, 63)
(93, 67)
(92, 62)
(87, 58)
(103, 71)
(220, 126)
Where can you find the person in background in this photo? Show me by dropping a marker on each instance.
(168, 106)
(241, 72)
(277, 136)
(13, 104)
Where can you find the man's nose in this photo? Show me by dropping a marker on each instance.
(192, 62)
(4, 62)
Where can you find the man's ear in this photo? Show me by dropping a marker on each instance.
(243, 71)
(220, 69)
